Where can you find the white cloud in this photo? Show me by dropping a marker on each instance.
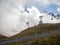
(13, 19)
(44, 2)
(56, 2)
(58, 10)
(47, 2)
(10, 21)
(35, 13)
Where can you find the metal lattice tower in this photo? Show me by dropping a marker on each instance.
(27, 24)
(41, 22)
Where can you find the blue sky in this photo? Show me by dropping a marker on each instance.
(51, 8)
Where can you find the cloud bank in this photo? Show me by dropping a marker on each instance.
(13, 16)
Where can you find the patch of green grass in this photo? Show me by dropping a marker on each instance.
(49, 40)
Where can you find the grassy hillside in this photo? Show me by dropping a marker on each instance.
(50, 40)
(38, 29)
(2, 37)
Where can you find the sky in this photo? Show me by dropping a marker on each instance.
(15, 13)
